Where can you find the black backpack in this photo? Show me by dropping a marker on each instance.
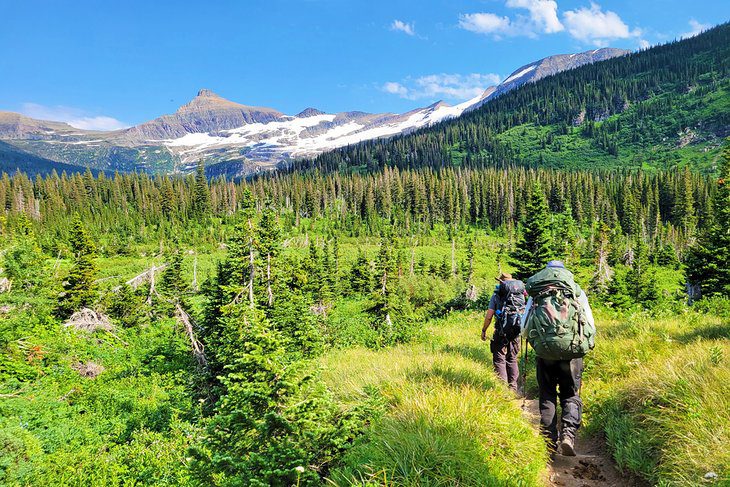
(511, 306)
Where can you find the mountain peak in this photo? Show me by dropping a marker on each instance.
(309, 112)
(437, 105)
(206, 93)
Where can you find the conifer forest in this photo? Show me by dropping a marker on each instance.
(319, 324)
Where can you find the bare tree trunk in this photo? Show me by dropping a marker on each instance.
(269, 292)
(453, 256)
(413, 258)
(56, 265)
(194, 284)
(250, 277)
(198, 350)
(152, 285)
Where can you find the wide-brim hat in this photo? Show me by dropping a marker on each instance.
(505, 276)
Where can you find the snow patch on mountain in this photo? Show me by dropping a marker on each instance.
(520, 73)
(249, 138)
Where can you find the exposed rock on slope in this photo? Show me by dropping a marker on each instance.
(242, 139)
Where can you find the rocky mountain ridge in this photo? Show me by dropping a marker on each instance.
(245, 139)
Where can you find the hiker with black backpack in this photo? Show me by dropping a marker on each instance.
(558, 323)
(507, 304)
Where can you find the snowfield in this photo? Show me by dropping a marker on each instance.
(307, 136)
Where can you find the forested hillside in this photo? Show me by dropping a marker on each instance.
(658, 108)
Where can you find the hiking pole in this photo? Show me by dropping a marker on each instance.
(524, 373)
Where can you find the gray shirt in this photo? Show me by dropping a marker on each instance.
(494, 301)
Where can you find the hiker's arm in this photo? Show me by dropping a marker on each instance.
(583, 300)
(487, 321)
(523, 319)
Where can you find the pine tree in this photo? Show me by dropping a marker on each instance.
(684, 209)
(564, 233)
(127, 306)
(201, 198)
(603, 275)
(533, 248)
(172, 285)
(271, 418)
(269, 246)
(79, 289)
(641, 278)
(361, 279)
(327, 267)
(385, 276)
(316, 284)
(708, 262)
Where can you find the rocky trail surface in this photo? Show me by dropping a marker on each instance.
(591, 467)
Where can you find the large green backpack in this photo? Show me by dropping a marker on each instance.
(557, 327)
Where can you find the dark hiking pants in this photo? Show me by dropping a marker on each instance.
(505, 356)
(559, 379)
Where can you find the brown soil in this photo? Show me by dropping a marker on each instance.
(591, 467)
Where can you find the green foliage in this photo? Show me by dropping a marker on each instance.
(563, 235)
(272, 422)
(79, 288)
(534, 246)
(62, 425)
(201, 194)
(448, 420)
(666, 256)
(127, 306)
(361, 279)
(320, 274)
(641, 278)
(23, 263)
(708, 262)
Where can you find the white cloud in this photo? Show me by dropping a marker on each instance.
(73, 116)
(644, 44)
(395, 88)
(407, 27)
(485, 23)
(543, 14)
(542, 18)
(597, 27)
(455, 87)
(697, 28)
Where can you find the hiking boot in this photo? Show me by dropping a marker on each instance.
(567, 446)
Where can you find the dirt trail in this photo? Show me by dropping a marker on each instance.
(591, 467)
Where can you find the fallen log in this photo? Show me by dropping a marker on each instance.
(197, 347)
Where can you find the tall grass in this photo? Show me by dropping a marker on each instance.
(670, 421)
(448, 420)
(659, 388)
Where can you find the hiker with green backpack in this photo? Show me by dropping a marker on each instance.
(558, 324)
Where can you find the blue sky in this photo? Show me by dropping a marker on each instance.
(109, 64)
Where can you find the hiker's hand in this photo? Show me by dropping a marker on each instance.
(484, 335)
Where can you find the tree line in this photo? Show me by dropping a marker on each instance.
(658, 207)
